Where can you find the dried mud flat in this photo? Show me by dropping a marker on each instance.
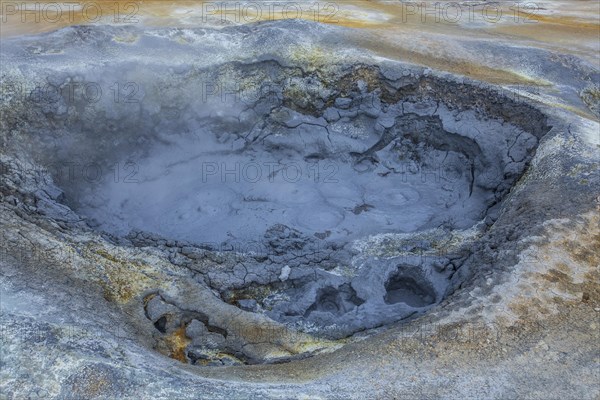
(441, 240)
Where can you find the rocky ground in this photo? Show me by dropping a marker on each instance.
(101, 301)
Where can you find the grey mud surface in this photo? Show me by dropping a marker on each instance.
(305, 217)
(291, 177)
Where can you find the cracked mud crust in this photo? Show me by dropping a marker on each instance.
(493, 295)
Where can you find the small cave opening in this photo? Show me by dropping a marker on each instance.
(161, 324)
(335, 301)
(405, 289)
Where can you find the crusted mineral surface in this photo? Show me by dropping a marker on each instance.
(240, 213)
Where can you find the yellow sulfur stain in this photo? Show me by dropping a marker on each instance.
(176, 344)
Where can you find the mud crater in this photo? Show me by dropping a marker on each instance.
(329, 203)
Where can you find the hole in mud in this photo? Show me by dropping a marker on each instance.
(405, 289)
(161, 324)
(328, 204)
(334, 301)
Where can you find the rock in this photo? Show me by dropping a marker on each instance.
(156, 308)
(331, 115)
(248, 304)
(285, 273)
(343, 103)
(195, 329)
